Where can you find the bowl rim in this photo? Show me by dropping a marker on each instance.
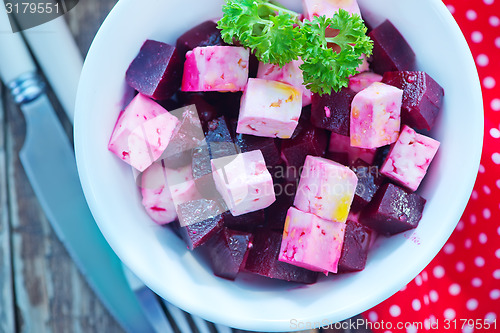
(240, 321)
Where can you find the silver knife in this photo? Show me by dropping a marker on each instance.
(50, 165)
(56, 52)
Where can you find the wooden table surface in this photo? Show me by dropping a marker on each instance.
(41, 289)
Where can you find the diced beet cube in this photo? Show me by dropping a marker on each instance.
(202, 173)
(369, 180)
(263, 260)
(198, 210)
(381, 155)
(393, 210)
(410, 158)
(201, 162)
(219, 140)
(268, 146)
(253, 66)
(342, 158)
(187, 135)
(202, 219)
(391, 52)
(333, 112)
(227, 104)
(206, 111)
(422, 97)
(156, 72)
(228, 252)
(276, 213)
(246, 222)
(308, 140)
(355, 248)
(204, 34)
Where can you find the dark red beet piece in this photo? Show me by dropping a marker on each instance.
(333, 112)
(202, 173)
(204, 34)
(156, 71)
(342, 158)
(219, 140)
(263, 260)
(308, 140)
(268, 146)
(393, 210)
(228, 252)
(422, 97)
(206, 111)
(391, 52)
(206, 218)
(369, 181)
(355, 247)
(188, 135)
(219, 144)
(381, 155)
(276, 213)
(228, 103)
(201, 162)
(246, 222)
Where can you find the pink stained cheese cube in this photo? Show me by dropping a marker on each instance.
(216, 68)
(164, 189)
(156, 196)
(142, 132)
(329, 7)
(363, 80)
(290, 74)
(269, 109)
(311, 242)
(409, 158)
(326, 189)
(182, 186)
(376, 116)
(244, 182)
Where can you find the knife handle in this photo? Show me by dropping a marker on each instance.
(17, 69)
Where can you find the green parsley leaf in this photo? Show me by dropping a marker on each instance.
(325, 69)
(270, 31)
(275, 35)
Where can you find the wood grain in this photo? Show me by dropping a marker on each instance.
(7, 322)
(50, 294)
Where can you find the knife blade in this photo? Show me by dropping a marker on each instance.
(50, 166)
(55, 37)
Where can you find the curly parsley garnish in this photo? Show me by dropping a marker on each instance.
(276, 35)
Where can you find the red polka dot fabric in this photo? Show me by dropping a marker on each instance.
(459, 291)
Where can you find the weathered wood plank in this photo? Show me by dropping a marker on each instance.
(7, 322)
(51, 296)
(86, 18)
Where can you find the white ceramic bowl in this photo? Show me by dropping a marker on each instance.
(161, 260)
